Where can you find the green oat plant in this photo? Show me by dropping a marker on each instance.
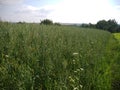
(50, 57)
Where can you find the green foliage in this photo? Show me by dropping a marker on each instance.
(40, 57)
(102, 24)
(117, 36)
(88, 25)
(47, 22)
(110, 25)
(58, 24)
(114, 53)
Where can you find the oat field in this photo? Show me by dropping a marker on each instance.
(50, 57)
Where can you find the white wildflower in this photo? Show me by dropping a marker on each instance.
(81, 85)
(76, 88)
(73, 60)
(81, 69)
(71, 79)
(6, 56)
(75, 53)
(78, 70)
(75, 71)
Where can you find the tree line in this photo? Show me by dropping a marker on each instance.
(49, 22)
(111, 25)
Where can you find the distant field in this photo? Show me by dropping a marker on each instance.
(43, 57)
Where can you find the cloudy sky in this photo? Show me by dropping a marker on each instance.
(65, 11)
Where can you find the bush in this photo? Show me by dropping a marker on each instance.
(47, 22)
(58, 24)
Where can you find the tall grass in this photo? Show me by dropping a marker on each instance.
(39, 57)
(115, 53)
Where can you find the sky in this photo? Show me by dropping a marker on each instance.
(63, 11)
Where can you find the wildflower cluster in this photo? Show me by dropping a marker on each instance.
(74, 78)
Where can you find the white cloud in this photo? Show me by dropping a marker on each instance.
(28, 13)
(67, 11)
(10, 2)
(117, 7)
(82, 11)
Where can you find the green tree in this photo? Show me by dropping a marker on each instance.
(47, 22)
(102, 24)
(118, 29)
(110, 25)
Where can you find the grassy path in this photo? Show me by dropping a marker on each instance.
(115, 54)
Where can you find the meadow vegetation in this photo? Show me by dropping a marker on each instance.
(51, 57)
(116, 63)
(117, 36)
